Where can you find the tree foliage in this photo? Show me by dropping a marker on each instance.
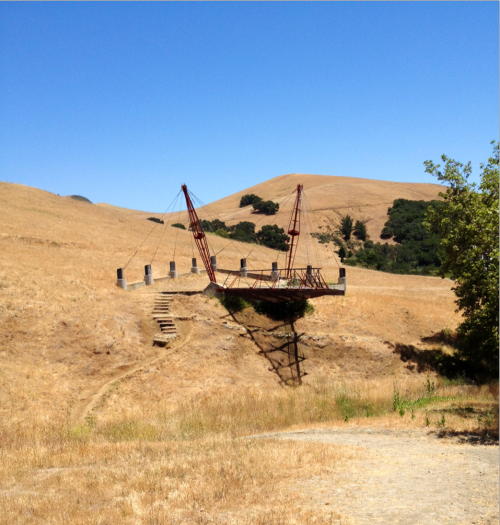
(417, 251)
(468, 227)
(346, 226)
(177, 225)
(267, 207)
(360, 230)
(155, 219)
(249, 199)
(273, 237)
(284, 310)
(243, 231)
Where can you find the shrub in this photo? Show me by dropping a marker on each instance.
(232, 303)
(178, 225)
(80, 198)
(154, 219)
(342, 253)
(267, 207)
(243, 231)
(213, 226)
(285, 310)
(273, 237)
(246, 200)
(222, 233)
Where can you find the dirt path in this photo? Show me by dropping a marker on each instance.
(94, 401)
(407, 478)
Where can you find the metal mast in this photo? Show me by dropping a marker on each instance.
(199, 236)
(293, 231)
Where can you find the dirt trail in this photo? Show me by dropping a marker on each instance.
(406, 477)
(105, 387)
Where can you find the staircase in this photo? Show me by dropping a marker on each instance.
(161, 314)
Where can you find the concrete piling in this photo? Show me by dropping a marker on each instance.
(173, 272)
(213, 260)
(120, 281)
(148, 276)
(342, 277)
(194, 268)
(274, 272)
(309, 275)
(243, 268)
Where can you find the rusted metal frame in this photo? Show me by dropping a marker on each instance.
(258, 280)
(294, 231)
(199, 236)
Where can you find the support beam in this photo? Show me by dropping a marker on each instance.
(199, 236)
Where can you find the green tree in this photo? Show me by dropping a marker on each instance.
(360, 230)
(468, 226)
(243, 231)
(273, 237)
(346, 227)
(267, 207)
(246, 200)
(342, 253)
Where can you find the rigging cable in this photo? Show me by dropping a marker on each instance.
(147, 236)
(165, 228)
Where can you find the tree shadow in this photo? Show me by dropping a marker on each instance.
(445, 364)
(474, 437)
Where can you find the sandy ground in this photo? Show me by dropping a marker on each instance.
(405, 477)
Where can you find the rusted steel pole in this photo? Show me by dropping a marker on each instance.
(199, 236)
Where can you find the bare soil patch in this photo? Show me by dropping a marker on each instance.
(405, 477)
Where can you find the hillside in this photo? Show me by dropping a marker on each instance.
(328, 197)
(66, 329)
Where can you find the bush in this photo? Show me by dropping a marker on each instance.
(222, 233)
(178, 225)
(273, 237)
(80, 198)
(243, 231)
(154, 219)
(267, 207)
(232, 303)
(246, 200)
(213, 226)
(285, 310)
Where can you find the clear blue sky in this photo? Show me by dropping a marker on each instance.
(122, 102)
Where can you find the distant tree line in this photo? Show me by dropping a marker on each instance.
(269, 235)
(416, 251)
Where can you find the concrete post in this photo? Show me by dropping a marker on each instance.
(275, 273)
(213, 260)
(120, 281)
(148, 276)
(243, 268)
(342, 277)
(194, 268)
(173, 272)
(309, 275)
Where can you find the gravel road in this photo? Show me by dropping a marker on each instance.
(406, 477)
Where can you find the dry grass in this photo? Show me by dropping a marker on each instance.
(162, 442)
(188, 466)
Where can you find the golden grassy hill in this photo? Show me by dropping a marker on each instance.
(66, 330)
(328, 198)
